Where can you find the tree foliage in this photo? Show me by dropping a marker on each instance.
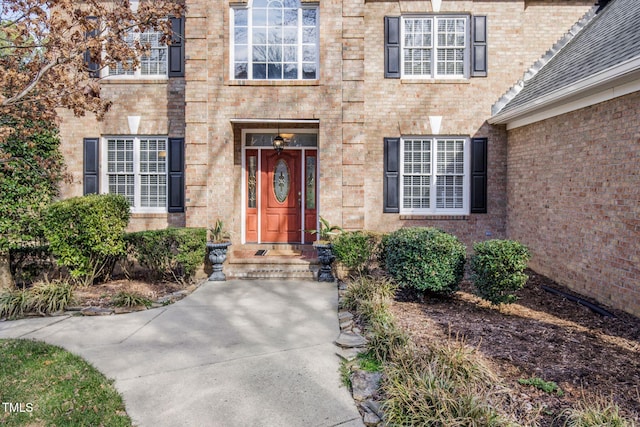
(46, 47)
(28, 181)
(50, 51)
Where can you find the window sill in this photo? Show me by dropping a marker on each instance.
(435, 81)
(149, 214)
(273, 83)
(134, 81)
(434, 217)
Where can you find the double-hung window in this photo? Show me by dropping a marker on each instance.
(153, 63)
(136, 167)
(434, 175)
(275, 40)
(435, 46)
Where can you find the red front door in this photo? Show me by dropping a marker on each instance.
(281, 196)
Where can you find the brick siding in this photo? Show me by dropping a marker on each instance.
(574, 199)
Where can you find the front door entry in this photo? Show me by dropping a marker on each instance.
(280, 209)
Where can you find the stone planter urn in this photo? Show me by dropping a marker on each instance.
(326, 257)
(217, 256)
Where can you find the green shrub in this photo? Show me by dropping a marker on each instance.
(354, 249)
(28, 262)
(546, 386)
(86, 234)
(170, 254)
(497, 269)
(426, 259)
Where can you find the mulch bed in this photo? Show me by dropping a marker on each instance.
(541, 335)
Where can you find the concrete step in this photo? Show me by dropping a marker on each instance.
(271, 271)
(282, 261)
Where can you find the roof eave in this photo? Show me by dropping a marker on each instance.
(618, 76)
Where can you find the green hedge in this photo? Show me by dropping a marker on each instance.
(426, 259)
(86, 234)
(355, 249)
(497, 269)
(169, 254)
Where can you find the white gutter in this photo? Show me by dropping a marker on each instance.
(616, 78)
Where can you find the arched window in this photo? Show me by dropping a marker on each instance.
(274, 40)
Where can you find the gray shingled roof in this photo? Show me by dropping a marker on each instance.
(609, 39)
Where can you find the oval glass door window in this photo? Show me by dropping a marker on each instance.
(281, 181)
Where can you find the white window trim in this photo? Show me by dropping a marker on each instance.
(104, 178)
(434, 65)
(137, 72)
(300, 62)
(466, 189)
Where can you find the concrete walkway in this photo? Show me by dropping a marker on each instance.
(235, 353)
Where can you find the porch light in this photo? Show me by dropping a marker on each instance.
(278, 143)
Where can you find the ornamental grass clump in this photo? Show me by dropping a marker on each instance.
(42, 298)
(130, 300)
(425, 259)
(596, 413)
(50, 296)
(448, 385)
(498, 269)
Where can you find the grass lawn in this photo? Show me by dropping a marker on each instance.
(41, 384)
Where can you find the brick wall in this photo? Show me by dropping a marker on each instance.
(574, 199)
(395, 107)
(355, 106)
(160, 105)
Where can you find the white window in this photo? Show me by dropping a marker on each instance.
(153, 63)
(435, 47)
(136, 167)
(274, 40)
(435, 175)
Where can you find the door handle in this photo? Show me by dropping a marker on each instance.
(299, 198)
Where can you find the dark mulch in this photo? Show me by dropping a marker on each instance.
(542, 335)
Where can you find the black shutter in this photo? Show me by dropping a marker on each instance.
(176, 175)
(93, 67)
(479, 46)
(391, 188)
(479, 175)
(91, 167)
(392, 47)
(176, 48)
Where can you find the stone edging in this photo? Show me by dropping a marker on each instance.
(365, 384)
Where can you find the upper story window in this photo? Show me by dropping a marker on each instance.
(153, 63)
(435, 47)
(275, 40)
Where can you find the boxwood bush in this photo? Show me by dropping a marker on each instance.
(354, 249)
(169, 254)
(497, 269)
(425, 259)
(86, 234)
